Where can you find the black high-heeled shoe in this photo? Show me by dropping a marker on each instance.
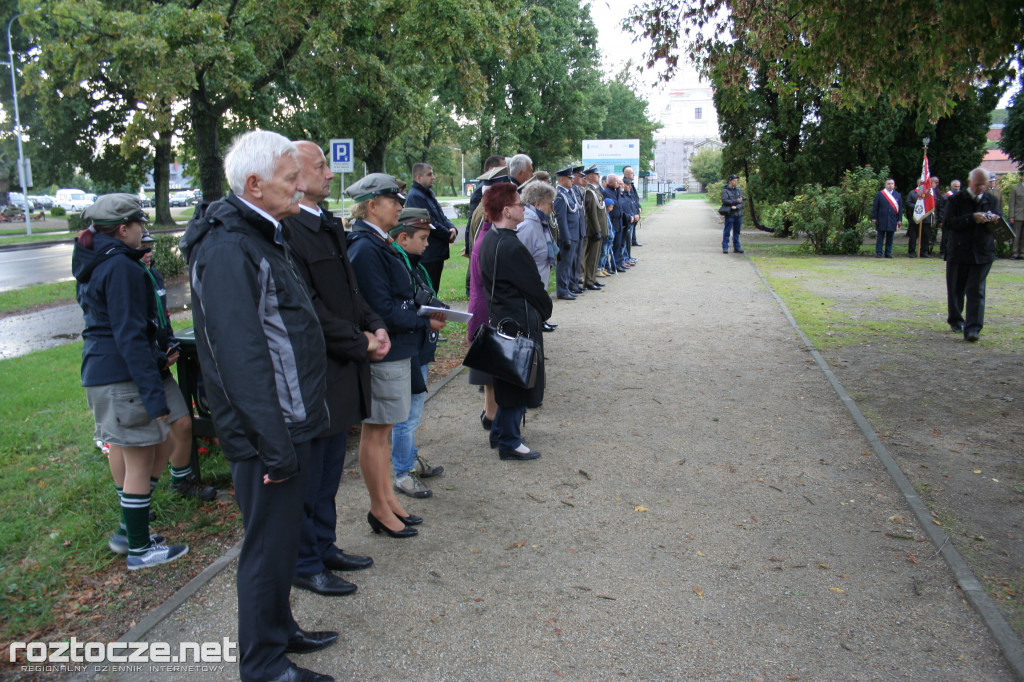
(485, 422)
(377, 527)
(410, 520)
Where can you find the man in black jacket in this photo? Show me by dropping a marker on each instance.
(355, 335)
(970, 253)
(264, 361)
(443, 234)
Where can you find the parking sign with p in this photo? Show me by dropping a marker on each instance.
(341, 156)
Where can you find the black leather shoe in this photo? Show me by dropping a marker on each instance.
(593, 287)
(956, 328)
(548, 327)
(519, 456)
(635, 244)
(485, 422)
(324, 583)
(576, 292)
(567, 297)
(738, 251)
(410, 520)
(379, 528)
(294, 673)
(971, 336)
(303, 642)
(347, 562)
(599, 285)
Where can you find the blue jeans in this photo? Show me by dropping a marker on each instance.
(733, 221)
(403, 436)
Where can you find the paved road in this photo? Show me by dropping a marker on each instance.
(705, 508)
(34, 266)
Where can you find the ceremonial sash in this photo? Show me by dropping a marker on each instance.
(892, 202)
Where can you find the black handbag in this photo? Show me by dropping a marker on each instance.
(511, 358)
(725, 210)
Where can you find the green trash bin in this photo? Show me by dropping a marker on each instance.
(661, 199)
(190, 381)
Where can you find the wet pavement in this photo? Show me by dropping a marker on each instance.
(51, 327)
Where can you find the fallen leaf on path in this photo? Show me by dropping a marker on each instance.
(639, 508)
(837, 590)
(517, 545)
(977, 471)
(700, 553)
(698, 591)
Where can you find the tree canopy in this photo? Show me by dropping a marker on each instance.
(920, 54)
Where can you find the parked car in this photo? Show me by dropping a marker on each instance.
(74, 200)
(41, 201)
(183, 199)
(19, 200)
(145, 201)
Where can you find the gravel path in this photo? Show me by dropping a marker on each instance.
(705, 508)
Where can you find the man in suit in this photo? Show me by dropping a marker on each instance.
(355, 335)
(1016, 216)
(971, 251)
(885, 214)
(264, 361)
(567, 214)
(443, 234)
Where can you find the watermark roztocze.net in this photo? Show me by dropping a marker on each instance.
(75, 656)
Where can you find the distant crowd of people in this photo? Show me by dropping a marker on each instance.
(304, 330)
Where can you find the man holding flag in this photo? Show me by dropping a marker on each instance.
(922, 204)
(885, 214)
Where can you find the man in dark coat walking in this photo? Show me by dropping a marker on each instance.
(355, 335)
(970, 253)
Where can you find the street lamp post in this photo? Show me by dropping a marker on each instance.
(17, 128)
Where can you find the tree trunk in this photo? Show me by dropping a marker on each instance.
(375, 157)
(206, 128)
(162, 178)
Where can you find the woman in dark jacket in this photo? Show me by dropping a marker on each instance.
(122, 363)
(515, 292)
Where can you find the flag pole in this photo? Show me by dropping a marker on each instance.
(924, 184)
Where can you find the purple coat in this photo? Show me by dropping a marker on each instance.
(477, 295)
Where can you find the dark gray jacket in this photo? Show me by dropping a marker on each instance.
(261, 349)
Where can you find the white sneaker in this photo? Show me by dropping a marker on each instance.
(410, 485)
(156, 555)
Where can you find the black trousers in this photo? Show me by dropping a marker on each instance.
(272, 517)
(966, 280)
(434, 269)
(320, 512)
(926, 237)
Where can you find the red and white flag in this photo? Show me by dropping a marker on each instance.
(925, 197)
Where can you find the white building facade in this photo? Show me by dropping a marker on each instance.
(689, 122)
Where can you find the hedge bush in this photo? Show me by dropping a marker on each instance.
(76, 223)
(166, 256)
(58, 211)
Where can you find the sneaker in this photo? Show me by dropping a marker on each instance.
(156, 555)
(410, 485)
(190, 486)
(425, 470)
(118, 542)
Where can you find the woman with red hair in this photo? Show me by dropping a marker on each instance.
(514, 292)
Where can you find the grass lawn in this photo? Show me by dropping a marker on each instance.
(39, 295)
(58, 502)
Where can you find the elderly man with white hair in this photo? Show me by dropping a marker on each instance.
(520, 168)
(264, 361)
(970, 253)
